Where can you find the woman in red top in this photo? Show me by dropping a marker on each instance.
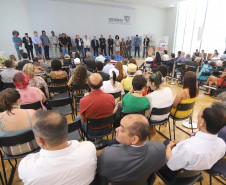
(215, 80)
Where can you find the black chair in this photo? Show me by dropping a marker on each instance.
(59, 81)
(63, 105)
(116, 95)
(67, 62)
(13, 141)
(91, 65)
(9, 85)
(126, 91)
(200, 82)
(35, 106)
(101, 122)
(60, 92)
(217, 172)
(182, 107)
(74, 131)
(76, 97)
(183, 177)
(122, 114)
(66, 68)
(158, 112)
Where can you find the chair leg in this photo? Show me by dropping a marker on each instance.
(210, 178)
(12, 172)
(3, 168)
(191, 124)
(169, 130)
(1, 178)
(174, 128)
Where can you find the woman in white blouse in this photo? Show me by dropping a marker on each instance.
(112, 86)
(162, 97)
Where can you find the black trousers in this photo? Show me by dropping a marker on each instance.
(137, 49)
(103, 48)
(95, 50)
(30, 52)
(46, 49)
(110, 49)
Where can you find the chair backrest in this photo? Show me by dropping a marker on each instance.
(100, 122)
(161, 111)
(90, 62)
(35, 106)
(122, 114)
(9, 85)
(67, 62)
(185, 106)
(126, 91)
(116, 95)
(58, 88)
(73, 130)
(59, 81)
(59, 103)
(17, 139)
(78, 87)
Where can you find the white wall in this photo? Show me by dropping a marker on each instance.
(14, 14)
(171, 21)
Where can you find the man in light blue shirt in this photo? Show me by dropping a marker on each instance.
(181, 58)
(17, 42)
(107, 66)
(37, 43)
(100, 58)
(137, 42)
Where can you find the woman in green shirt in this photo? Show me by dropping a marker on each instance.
(134, 101)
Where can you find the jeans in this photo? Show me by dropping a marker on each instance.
(30, 52)
(64, 50)
(38, 50)
(80, 49)
(110, 51)
(145, 51)
(86, 49)
(46, 49)
(93, 132)
(18, 53)
(137, 49)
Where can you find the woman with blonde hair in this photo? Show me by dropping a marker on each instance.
(35, 81)
(14, 59)
(119, 67)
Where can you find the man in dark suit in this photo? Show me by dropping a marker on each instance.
(28, 45)
(103, 45)
(110, 45)
(23, 62)
(95, 46)
(135, 158)
(80, 45)
(69, 43)
(146, 44)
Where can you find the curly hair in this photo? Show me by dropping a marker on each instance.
(8, 97)
(80, 75)
(14, 32)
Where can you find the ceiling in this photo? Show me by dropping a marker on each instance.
(149, 3)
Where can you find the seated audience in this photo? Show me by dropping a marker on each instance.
(215, 80)
(67, 60)
(80, 78)
(8, 73)
(35, 81)
(125, 67)
(100, 58)
(157, 60)
(112, 86)
(14, 121)
(148, 59)
(28, 94)
(188, 57)
(133, 61)
(118, 66)
(96, 105)
(14, 59)
(77, 62)
(181, 57)
(222, 66)
(135, 158)
(99, 68)
(165, 57)
(56, 72)
(88, 58)
(202, 151)
(163, 69)
(112, 57)
(59, 161)
(161, 97)
(188, 94)
(127, 82)
(206, 68)
(170, 63)
(215, 56)
(39, 71)
(25, 60)
(44, 65)
(134, 101)
(222, 132)
(107, 66)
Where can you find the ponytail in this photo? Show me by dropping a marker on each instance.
(156, 78)
(114, 77)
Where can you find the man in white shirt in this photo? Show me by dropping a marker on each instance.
(100, 58)
(86, 44)
(165, 57)
(202, 151)
(59, 161)
(107, 66)
(148, 61)
(113, 59)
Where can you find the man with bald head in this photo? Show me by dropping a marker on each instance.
(135, 158)
(204, 149)
(59, 161)
(96, 105)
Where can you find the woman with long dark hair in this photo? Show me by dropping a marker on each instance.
(157, 60)
(188, 94)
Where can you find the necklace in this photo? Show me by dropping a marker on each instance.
(137, 92)
(15, 107)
